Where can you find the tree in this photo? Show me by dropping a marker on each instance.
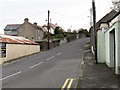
(84, 31)
(116, 4)
(58, 30)
(58, 33)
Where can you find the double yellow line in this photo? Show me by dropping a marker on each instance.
(67, 84)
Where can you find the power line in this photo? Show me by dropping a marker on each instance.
(68, 16)
(23, 16)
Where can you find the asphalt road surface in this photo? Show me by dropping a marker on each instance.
(56, 68)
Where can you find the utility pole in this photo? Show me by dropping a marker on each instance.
(48, 27)
(94, 28)
(91, 17)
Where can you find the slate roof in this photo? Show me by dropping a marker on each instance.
(15, 26)
(38, 27)
(45, 30)
(15, 39)
(107, 18)
(12, 26)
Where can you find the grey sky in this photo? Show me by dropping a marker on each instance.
(65, 13)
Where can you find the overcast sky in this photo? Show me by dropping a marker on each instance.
(66, 13)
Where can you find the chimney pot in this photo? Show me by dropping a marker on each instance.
(35, 23)
(26, 20)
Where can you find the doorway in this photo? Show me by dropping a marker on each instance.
(112, 49)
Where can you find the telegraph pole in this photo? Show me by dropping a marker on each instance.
(48, 27)
(94, 28)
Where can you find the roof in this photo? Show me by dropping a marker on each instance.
(114, 16)
(107, 18)
(15, 26)
(39, 27)
(12, 26)
(45, 30)
(53, 26)
(15, 39)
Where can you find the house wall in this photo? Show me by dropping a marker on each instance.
(11, 32)
(51, 30)
(109, 47)
(100, 46)
(27, 31)
(118, 54)
(39, 34)
(105, 46)
(118, 42)
(104, 26)
(14, 51)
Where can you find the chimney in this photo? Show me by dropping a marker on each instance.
(35, 23)
(26, 20)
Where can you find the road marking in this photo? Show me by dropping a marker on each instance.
(67, 84)
(36, 65)
(87, 51)
(59, 53)
(50, 58)
(11, 75)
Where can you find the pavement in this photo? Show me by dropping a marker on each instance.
(96, 75)
(55, 68)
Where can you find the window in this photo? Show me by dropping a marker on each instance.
(32, 38)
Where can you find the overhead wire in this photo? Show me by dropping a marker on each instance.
(63, 15)
(2, 20)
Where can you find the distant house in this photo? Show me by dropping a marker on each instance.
(11, 29)
(28, 30)
(52, 27)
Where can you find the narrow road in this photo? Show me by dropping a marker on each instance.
(56, 68)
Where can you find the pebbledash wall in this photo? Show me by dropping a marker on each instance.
(14, 51)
